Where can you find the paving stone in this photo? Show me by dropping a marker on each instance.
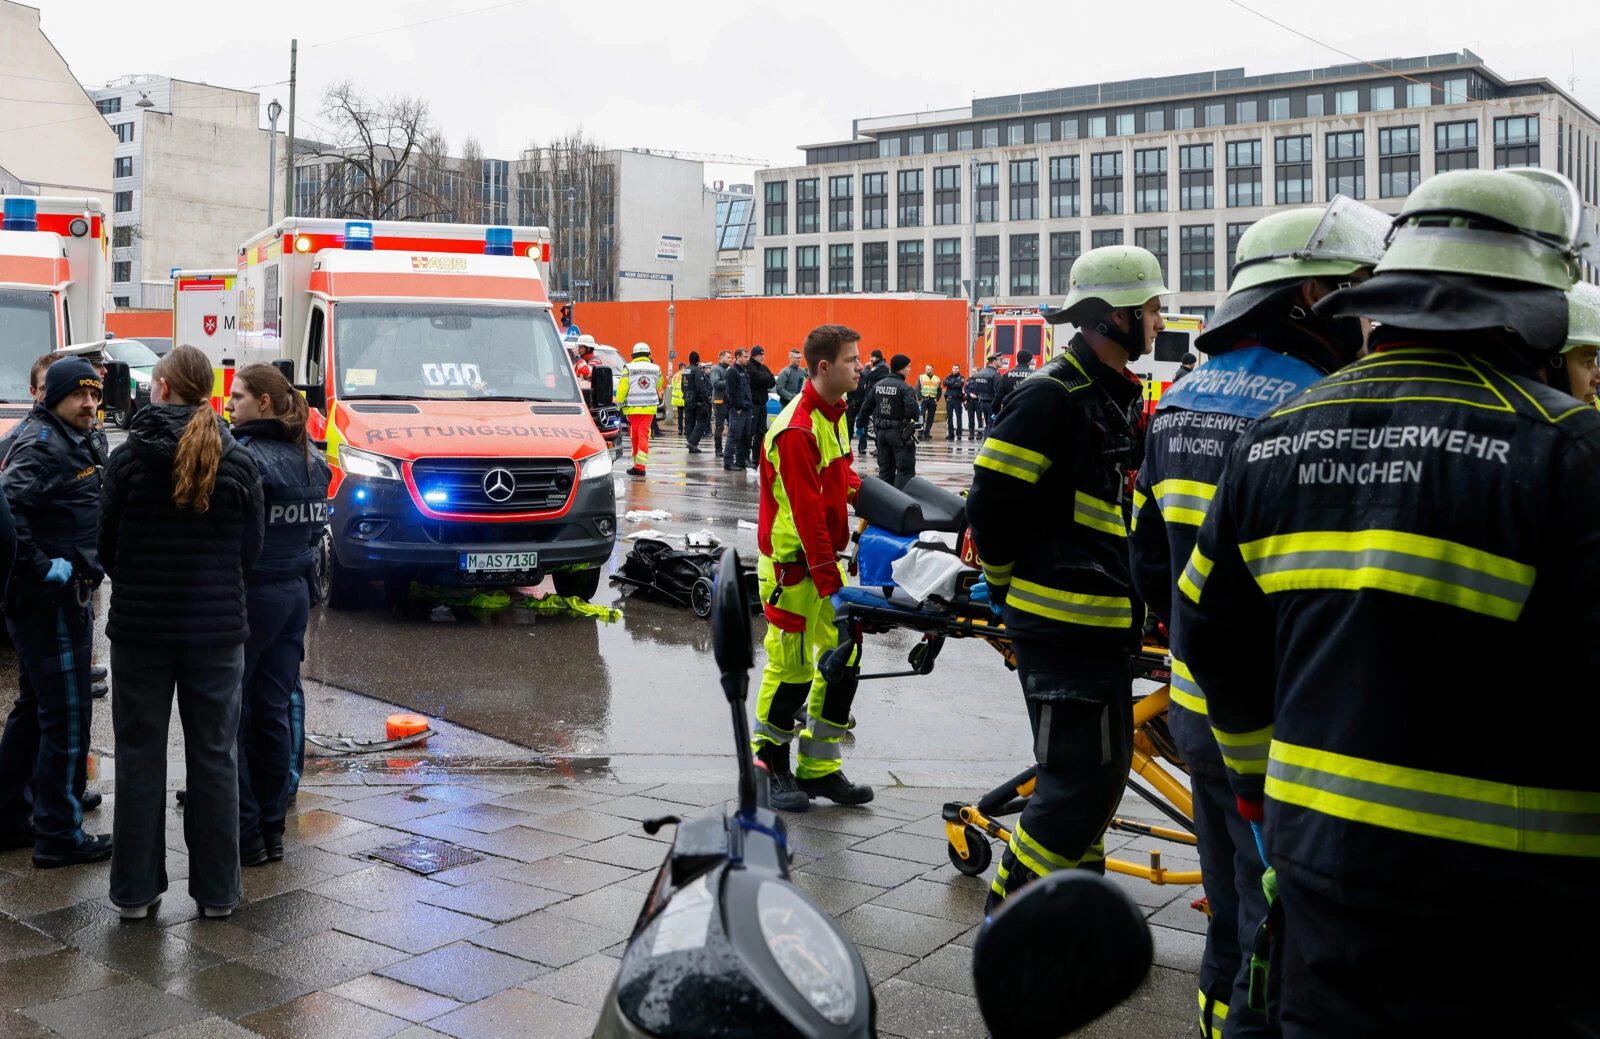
(552, 940)
(640, 807)
(485, 818)
(1166, 993)
(585, 983)
(319, 826)
(898, 844)
(234, 989)
(364, 841)
(548, 801)
(866, 869)
(436, 826)
(487, 868)
(118, 1012)
(614, 908)
(15, 1026)
(495, 899)
(1178, 913)
(458, 796)
(463, 972)
(92, 880)
(856, 821)
(583, 824)
(223, 938)
(948, 874)
(293, 915)
(930, 1013)
(40, 979)
(834, 895)
(623, 850)
(1179, 950)
(325, 862)
(910, 934)
(519, 842)
(702, 794)
(378, 887)
(274, 878)
(948, 968)
(415, 928)
(326, 959)
(809, 841)
(151, 954)
(904, 808)
(19, 941)
(1125, 1021)
(391, 997)
(569, 875)
(321, 1014)
(961, 903)
(206, 1028)
(882, 964)
(35, 893)
(418, 1032)
(518, 1014)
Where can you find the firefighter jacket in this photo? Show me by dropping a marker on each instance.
(807, 484)
(1399, 564)
(928, 386)
(1186, 446)
(294, 486)
(639, 391)
(895, 410)
(1046, 506)
(1008, 382)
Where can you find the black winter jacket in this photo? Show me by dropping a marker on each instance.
(51, 480)
(696, 387)
(177, 576)
(762, 382)
(294, 486)
(736, 391)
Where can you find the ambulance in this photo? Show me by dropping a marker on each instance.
(462, 451)
(205, 312)
(52, 286)
(1156, 368)
(1005, 330)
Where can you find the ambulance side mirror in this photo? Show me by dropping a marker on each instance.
(286, 366)
(602, 388)
(316, 396)
(117, 394)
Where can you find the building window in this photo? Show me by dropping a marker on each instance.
(1278, 108)
(1064, 186)
(841, 268)
(1155, 121)
(1382, 99)
(1418, 95)
(909, 270)
(1150, 180)
(1105, 183)
(109, 105)
(947, 194)
(910, 198)
(1196, 176)
(964, 140)
(1015, 135)
(1347, 164)
(1097, 126)
(1316, 106)
(1041, 133)
(1064, 249)
(991, 137)
(1183, 119)
(1244, 173)
(119, 301)
(874, 201)
(1203, 313)
(1235, 232)
(875, 267)
(777, 210)
(308, 191)
(777, 273)
(124, 132)
(1516, 141)
(889, 148)
(1455, 146)
(1244, 112)
(1024, 265)
(1455, 91)
(122, 166)
(1346, 102)
(914, 144)
(1069, 129)
(1025, 190)
(122, 237)
(1197, 258)
(122, 270)
(1216, 115)
(841, 203)
(122, 202)
(807, 209)
(1124, 124)
(1399, 161)
(988, 256)
(807, 270)
(941, 142)
(947, 266)
(1292, 170)
(1153, 239)
(1101, 239)
(988, 192)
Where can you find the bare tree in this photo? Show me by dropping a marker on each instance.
(576, 169)
(385, 161)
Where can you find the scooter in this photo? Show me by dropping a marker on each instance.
(727, 946)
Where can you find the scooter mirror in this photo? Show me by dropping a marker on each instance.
(1057, 955)
(730, 618)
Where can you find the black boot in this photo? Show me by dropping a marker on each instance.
(253, 852)
(91, 801)
(837, 788)
(95, 849)
(274, 845)
(786, 795)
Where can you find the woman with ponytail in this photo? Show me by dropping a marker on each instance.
(181, 524)
(269, 420)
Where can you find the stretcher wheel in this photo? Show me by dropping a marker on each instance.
(700, 597)
(979, 853)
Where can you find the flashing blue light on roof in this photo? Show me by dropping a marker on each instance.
(21, 214)
(436, 497)
(358, 235)
(497, 242)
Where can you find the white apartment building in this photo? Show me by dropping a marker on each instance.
(1180, 165)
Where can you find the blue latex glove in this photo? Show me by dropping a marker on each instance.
(60, 571)
(1261, 846)
(979, 593)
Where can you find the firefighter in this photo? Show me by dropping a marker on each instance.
(1427, 519)
(930, 389)
(639, 396)
(894, 417)
(807, 483)
(1577, 371)
(1062, 448)
(1009, 380)
(1266, 345)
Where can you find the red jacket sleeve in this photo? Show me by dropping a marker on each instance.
(798, 463)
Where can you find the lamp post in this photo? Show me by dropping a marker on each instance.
(273, 111)
(572, 195)
(972, 329)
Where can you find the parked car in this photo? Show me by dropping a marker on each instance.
(141, 361)
(159, 345)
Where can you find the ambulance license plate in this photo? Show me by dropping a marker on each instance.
(499, 561)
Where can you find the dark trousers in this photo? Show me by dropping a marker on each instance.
(977, 411)
(699, 418)
(736, 449)
(758, 430)
(278, 613)
(297, 715)
(680, 418)
(207, 682)
(44, 751)
(952, 419)
(1231, 870)
(719, 419)
(897, 457)
(930, 407)
(1080, 705)
(863, 428)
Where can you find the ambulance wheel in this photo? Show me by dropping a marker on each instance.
(700, 597)
(344, 587)
(582, 584)
(979, 853)
(321, 579)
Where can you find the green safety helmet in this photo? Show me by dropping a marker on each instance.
(1583, 316)
(1107, 279)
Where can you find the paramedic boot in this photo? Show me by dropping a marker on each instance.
(786, 795)
(836, 788)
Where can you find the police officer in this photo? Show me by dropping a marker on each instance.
(928, 389)
(1578, 369)
(269, 420)
(980, 396)
(894, 417)
(677, 397)
(639, 395)
(861, 401)
(1266, 345)
(1426, 519)
(51, 480)
(1062, 448)
(696, 402)
(1010, 379)
(719, 398)
(955, 398)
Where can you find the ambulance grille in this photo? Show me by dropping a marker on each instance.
(556, 409)
(537, 484)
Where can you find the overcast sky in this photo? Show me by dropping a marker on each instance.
(758, 80)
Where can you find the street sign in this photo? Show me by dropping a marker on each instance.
(670, 247)
(582, 284)
(560, 295)
(644, 275)
(573, 333)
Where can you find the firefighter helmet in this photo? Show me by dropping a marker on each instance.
(1583, 316)
(1107, 278)
(1333, 242)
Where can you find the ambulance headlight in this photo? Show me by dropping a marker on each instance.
(302, 244)
(367, 464)
(595, 466)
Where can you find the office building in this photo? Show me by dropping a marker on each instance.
(52, 142)
(736, 272)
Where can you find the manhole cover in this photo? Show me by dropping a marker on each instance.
(426, 855)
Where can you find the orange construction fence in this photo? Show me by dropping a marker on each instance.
(130, 323)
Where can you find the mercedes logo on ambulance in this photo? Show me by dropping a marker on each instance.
(499, 485)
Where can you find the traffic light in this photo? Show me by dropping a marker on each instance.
(566, 315)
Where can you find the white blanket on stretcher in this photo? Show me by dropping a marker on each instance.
(930, 569)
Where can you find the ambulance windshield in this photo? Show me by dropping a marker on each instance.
(27, 329)
(449, 351)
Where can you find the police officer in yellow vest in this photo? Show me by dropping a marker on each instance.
(929, 389)
(677, 395)
(639, 396)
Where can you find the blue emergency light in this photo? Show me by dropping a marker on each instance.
(436, 497)
(358, 235)
(497, 242)
(21, 214)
